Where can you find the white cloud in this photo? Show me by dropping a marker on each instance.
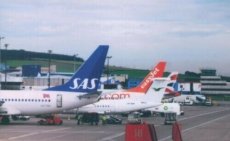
(139, 32)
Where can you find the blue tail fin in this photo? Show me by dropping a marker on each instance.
(87, 77)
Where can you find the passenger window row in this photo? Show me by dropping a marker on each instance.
(26, 100)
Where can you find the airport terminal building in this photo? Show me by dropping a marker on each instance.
(207, 82)
(213, 85)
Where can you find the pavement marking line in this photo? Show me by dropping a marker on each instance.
(109, 138)
(205, 123)
(200, 125)
(54, 130)
(36, 133)
(22, 136)
(202, 114)
(75, 132)
(86, 132)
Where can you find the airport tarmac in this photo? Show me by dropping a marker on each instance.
(200, 123)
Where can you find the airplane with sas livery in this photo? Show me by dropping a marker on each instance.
(132, 99)
(80, 90)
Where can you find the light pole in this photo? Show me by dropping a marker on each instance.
(6, 46)
(108, 57)
(74, 62)
(0, 50)
(49, 51)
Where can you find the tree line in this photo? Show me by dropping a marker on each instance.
(29, 55)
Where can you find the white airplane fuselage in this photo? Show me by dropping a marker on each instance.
(116, 107)
(39, 102)
(80, 90)
(121, 102)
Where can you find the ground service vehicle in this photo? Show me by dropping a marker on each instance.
(134, 118)
(92, 118)
(170, 118)
(51, 120)
(113, 120)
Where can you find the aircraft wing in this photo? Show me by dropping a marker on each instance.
(91, 95)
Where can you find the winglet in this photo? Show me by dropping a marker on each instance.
(156, 72)
(86, 79)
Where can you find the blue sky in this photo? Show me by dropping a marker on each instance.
(188, 34)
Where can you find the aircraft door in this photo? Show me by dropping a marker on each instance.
(59, 100)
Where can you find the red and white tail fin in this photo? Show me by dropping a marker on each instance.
(170, 91)
(156, 72)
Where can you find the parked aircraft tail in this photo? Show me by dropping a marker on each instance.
(87, 77)
(171, 90)
(156, 91)
(159, 87)
(156, 72)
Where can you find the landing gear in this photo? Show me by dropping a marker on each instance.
(4, 120)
